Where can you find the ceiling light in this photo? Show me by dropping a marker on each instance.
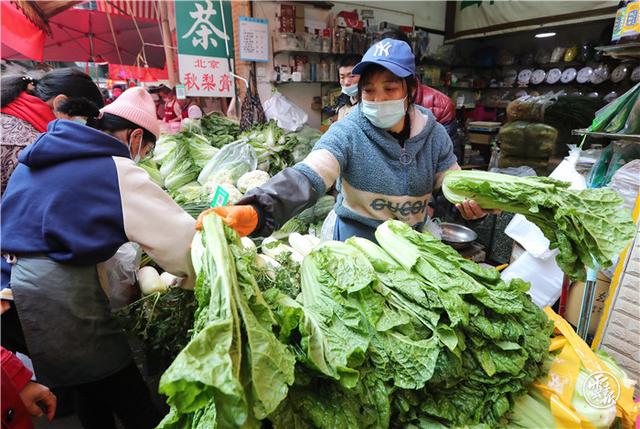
(543, 35)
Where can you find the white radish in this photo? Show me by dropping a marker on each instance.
(169, 280)
(313, 239)
(248, 243)
(277, 250)
(268, 264)
(300, 243)
(149, 281)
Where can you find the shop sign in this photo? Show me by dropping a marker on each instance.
(204, 31)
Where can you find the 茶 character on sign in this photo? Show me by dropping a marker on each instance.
(225, 83)
(190, 81)
(208, 82)
(203, 27)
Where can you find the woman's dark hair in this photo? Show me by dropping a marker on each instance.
(374, 69)
(79, 106)
(112, 123)
(350, 61)
(66, 81)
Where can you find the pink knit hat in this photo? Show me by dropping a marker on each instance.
(137, 106)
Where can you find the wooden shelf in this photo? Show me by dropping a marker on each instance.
(612, 136)
(475, 166)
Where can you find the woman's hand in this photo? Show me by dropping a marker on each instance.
(470, 210)
(34, 393)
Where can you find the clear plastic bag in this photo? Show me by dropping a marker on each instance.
(121, 271)
(233, 160)
(531, 108)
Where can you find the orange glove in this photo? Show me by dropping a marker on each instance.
(243, 219)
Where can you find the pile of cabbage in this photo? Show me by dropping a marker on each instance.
(405, 334)
(212, 153)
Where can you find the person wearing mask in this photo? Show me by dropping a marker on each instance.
(191, 109)
(28, 105)
(74, 199)
(349, 85)
(172, 108)
(439, 103)
(387, 156)
(156, 93)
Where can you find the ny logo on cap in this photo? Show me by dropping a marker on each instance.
(382, 49)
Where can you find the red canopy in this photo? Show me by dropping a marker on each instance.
(19, 34)
(142, 74)
(79, 34)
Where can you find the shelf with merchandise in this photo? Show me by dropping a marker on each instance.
(612, 136)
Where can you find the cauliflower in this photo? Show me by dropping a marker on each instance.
(252, 179)
(234, 194)
(224, 176)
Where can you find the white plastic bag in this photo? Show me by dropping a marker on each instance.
(626, 181)
(288, 116)
(121, 273)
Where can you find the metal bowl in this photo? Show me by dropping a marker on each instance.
(457, 236)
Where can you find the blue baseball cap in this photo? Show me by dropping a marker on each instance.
(394, 55)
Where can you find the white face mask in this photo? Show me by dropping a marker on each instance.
(351, 91)
(137, 157)
(384, 114)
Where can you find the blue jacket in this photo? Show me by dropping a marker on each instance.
(76, 196)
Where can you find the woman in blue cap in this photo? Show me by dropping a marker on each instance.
(387, 157)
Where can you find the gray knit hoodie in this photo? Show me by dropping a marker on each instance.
(378, 178)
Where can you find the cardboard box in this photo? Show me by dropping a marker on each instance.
(574, 302)
(480, 138)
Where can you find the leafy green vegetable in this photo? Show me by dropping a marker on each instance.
(151, 168)
(406, 334)
(161, 322)
(586, 226)
(219, 129)
(182, 156)
(277, 149)
(234, 367)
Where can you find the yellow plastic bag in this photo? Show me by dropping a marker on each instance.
(602, 385)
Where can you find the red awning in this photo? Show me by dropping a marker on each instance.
(145, 9)
(19, 34)
(78, 34)
(142, 74)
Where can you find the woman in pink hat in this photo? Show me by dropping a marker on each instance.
(75, 197)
